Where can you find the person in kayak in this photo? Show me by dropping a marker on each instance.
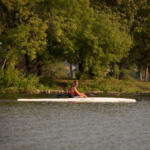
(73, 92)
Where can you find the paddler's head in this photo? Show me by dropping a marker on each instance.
(76, 82)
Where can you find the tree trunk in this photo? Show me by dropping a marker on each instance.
(81, 67)
(141, 73)
(4, 64)
(115, 71)
(146, 73)
(71, 71)
(27, 63)
(39, 65)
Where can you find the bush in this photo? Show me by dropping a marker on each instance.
(10, 78)
(13, 79)
(125, 74)
(29, 83)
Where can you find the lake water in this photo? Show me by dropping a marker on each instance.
(69, 126)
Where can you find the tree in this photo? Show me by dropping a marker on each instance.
(134, 14)
(24, 34)
(86, 36)
(141, 49)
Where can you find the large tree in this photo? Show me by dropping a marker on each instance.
(86, 36)
(141, 49)
(24, 34)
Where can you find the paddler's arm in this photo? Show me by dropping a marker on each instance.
(78, 93)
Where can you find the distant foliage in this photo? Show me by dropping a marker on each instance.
(55, 70)
(12, 79)
(37, 35)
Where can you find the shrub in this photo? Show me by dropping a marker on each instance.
(125, 74)
(11, 79)
(29, 83)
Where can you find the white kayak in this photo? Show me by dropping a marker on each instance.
(81, 100)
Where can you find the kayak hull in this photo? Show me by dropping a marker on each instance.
(81, 100)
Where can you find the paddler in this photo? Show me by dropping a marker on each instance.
(73, 92)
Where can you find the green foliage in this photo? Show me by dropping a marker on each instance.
(55, 70)
(38, 35)
(29, 83)
(25, 37)
(88, 37)
(141, 34)
(126, 74)
(113, 39)
(110, 85)
(12, 79)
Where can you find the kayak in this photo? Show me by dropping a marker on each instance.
(81, 100)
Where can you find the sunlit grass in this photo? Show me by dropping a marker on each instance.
(102, 84)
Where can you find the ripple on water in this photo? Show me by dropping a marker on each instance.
(66, 126)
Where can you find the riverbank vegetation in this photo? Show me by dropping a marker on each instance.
(91, 86)
(107, 41)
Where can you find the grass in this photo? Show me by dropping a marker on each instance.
(105, 85)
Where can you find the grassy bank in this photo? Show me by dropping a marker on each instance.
(113, 85)
(104, 85)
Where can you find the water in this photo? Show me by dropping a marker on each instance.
(67, 126)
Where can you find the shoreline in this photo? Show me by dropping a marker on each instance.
(94, 92)
(112, 87)
(63, 92)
